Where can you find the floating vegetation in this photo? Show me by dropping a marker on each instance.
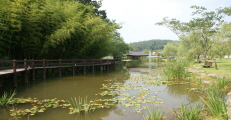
(197, 89)
(134, 93)
(137, 91)
(39, 106)
(109, 93)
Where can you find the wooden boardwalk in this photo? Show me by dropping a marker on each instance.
(32, 66)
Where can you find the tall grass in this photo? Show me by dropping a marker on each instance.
(152, 59)
(133, 63)
(192, 113)
(222, 84)
(156, 114)
(81, 104)
(176, 70)
(217, 107)
(6, 98)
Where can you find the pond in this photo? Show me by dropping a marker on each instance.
(134, 90)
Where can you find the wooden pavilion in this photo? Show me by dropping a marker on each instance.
(136, 54)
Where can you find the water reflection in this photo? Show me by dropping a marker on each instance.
(182, 91)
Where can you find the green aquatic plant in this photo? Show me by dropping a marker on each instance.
(81, 104)
(222, 84)
(176, 70)
(156, 114)
(217, 107)
(192, 113)
(158, 59)
(6, 98)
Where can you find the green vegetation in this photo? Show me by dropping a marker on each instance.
(176, 70)
(205, 34)
(149, 45)
(224, 67)
(215, 104)
(6, 98)
(152, 59)
(81, 104)
(63, 29)
(156, 114)
(192, 113)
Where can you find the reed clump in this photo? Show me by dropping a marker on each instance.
(216, 106)
(6, 98)
(176, 70)
(185, 113)
(222, 84)
(81, 104)
(156, 114)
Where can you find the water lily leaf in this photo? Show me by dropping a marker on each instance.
(40, 110)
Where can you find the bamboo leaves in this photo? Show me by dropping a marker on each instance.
(58, 29)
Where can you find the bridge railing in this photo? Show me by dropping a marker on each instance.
(31, 64)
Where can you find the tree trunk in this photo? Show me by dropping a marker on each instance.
(198, 59)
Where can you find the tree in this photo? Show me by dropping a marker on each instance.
(205, 24)
(171, 49)
(53, 29)
(222, 41)
(118, 46)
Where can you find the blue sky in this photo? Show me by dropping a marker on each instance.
(138, 17)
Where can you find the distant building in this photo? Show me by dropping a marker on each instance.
(227, 56)
(136, 54)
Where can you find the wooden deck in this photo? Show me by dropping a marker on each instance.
(23, 66)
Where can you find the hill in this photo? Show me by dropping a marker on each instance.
(155, 44)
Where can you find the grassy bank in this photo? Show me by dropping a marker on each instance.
(223, 65)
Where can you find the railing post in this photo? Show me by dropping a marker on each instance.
(15, 74)
(60, 67)
(84, 67)
(33, 69)
(44, 68)
(108, 64)
(93, 66)
(25, 72)
(73, 66)
(2, 76)
(101, 66)
(44, 63)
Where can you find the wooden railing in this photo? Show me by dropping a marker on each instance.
(38, 64)
(16, 66)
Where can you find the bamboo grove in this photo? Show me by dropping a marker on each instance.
(56, 29)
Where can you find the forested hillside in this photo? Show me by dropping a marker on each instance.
(57, 29)
(155, 44)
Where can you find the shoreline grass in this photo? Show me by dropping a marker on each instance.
(156, 114)
(224, 67)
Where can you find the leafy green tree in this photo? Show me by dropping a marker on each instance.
(51, 29)
(171, 49)
(222, 42)
(155, 44)
(118, 46)
(205, 24)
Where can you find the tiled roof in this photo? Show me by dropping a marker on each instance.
(137, 53)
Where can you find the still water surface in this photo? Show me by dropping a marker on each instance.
(67, 87)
